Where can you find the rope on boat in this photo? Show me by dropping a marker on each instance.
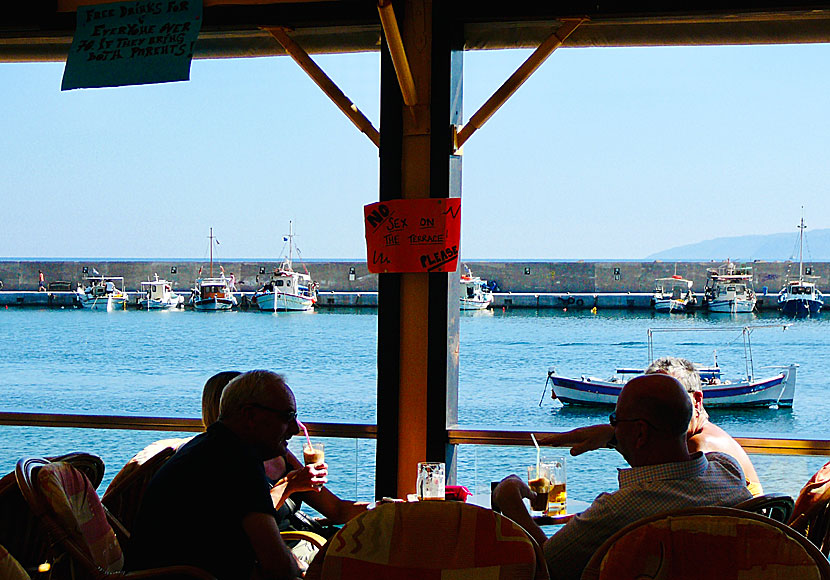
(545, 390)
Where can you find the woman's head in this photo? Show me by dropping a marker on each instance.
(212, 393)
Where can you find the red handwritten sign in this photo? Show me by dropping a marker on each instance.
(413, 235)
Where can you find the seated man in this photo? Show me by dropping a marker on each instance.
(703, 435)
(210, 506)
(649, 425)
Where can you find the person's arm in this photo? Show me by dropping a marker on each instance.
(275, 561)
(308, 478)
(336, 510)
(582, 439)
(507, 498)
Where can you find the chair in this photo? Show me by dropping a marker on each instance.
(72, 514)
(10, 569)
(123, 495)
(811, 513)
(707, 542)
(429, 541)
(777, 506)
(20, 532)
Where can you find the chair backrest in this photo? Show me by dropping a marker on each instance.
(123, 495)
(71, 512)
(10, 569)
(707, 542)
(429, 541)
(20, 532)
(777, 506)
(811, 514)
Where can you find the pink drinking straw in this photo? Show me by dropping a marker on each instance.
(307, 438)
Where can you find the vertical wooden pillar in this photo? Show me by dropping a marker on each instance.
(418, 313)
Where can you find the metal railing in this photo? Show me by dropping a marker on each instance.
(456, 436)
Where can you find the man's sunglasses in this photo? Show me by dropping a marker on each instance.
(286, 416)
(612, 418)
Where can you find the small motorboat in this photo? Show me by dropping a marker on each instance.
(287, 290)
(475, 293)
(102, 293)
(777, 390)
(673, 294)
(729, 289)
(158, 294)
(801, 297)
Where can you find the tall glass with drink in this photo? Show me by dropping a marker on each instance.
(314, 454)
(558, 495)
(430, 481)
(539, 481)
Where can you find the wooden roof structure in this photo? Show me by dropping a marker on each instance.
(422, 131)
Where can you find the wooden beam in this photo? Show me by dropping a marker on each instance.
(512, 84)
(326, 84)
(397, 52)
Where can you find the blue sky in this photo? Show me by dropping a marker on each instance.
(602, 154)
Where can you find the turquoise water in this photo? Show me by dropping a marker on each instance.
(155, 363)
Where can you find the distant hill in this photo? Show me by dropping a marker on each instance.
(770, 247)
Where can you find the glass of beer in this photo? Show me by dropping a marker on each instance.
(430, 481)
(558, 495)
(539, 481)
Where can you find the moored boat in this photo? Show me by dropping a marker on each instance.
(475, 293)
(102, 293)
(777, 390)
(729, 289)
(673, 294)
(212, 293)
(286, 289)
(800, 297)
(158, 294)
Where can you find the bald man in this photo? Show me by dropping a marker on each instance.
(702, 434)
(650, 423)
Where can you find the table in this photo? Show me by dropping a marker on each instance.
(575, 506)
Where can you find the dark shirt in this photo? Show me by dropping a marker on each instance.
(193, 508)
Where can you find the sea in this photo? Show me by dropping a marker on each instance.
(155, 363)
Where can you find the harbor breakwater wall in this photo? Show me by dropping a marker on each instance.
(578, 277)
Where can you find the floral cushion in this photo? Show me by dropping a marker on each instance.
(10, 569)
(430, 541)
(78, 509)
(705, 546)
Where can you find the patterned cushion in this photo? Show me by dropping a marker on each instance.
(78, 509)
(703, 546)
(9, 568)
(430, 541)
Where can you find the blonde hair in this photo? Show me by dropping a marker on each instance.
(212, 393)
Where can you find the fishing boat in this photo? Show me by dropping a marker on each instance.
(286, 289)
(777, 390)
(212, 293)
(102, 293)
(673, 294)
(800, 297)
(475, 293)
(158, 294)
(729, 289)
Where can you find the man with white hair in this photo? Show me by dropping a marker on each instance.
(209, 506)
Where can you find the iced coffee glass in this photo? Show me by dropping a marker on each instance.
(313, 453)
(539, 481)
(430, 481)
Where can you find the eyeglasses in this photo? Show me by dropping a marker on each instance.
(286, 416)
(612, 418)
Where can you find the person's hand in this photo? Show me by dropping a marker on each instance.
(582, 439)
(510, 491)
(308, 478)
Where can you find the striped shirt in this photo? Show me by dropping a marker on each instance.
(706, 480)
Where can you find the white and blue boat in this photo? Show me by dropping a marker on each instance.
(287, 290)
(212, 294)
(800, 297)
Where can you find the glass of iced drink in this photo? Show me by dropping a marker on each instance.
(539, 481)
(558, 496)
(313, 453)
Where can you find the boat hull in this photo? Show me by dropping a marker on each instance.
(282, 302)
(776, 390)
(800, 307)
(669, 305)
(108, 303)
(213, 304)
(732, 305)
(146, 304)
(474, 304)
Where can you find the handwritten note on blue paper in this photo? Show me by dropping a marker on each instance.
(133, 43)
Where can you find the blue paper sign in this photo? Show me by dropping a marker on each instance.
(133, 43)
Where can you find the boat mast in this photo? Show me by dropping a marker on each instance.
(211, 252)
(801, 229)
